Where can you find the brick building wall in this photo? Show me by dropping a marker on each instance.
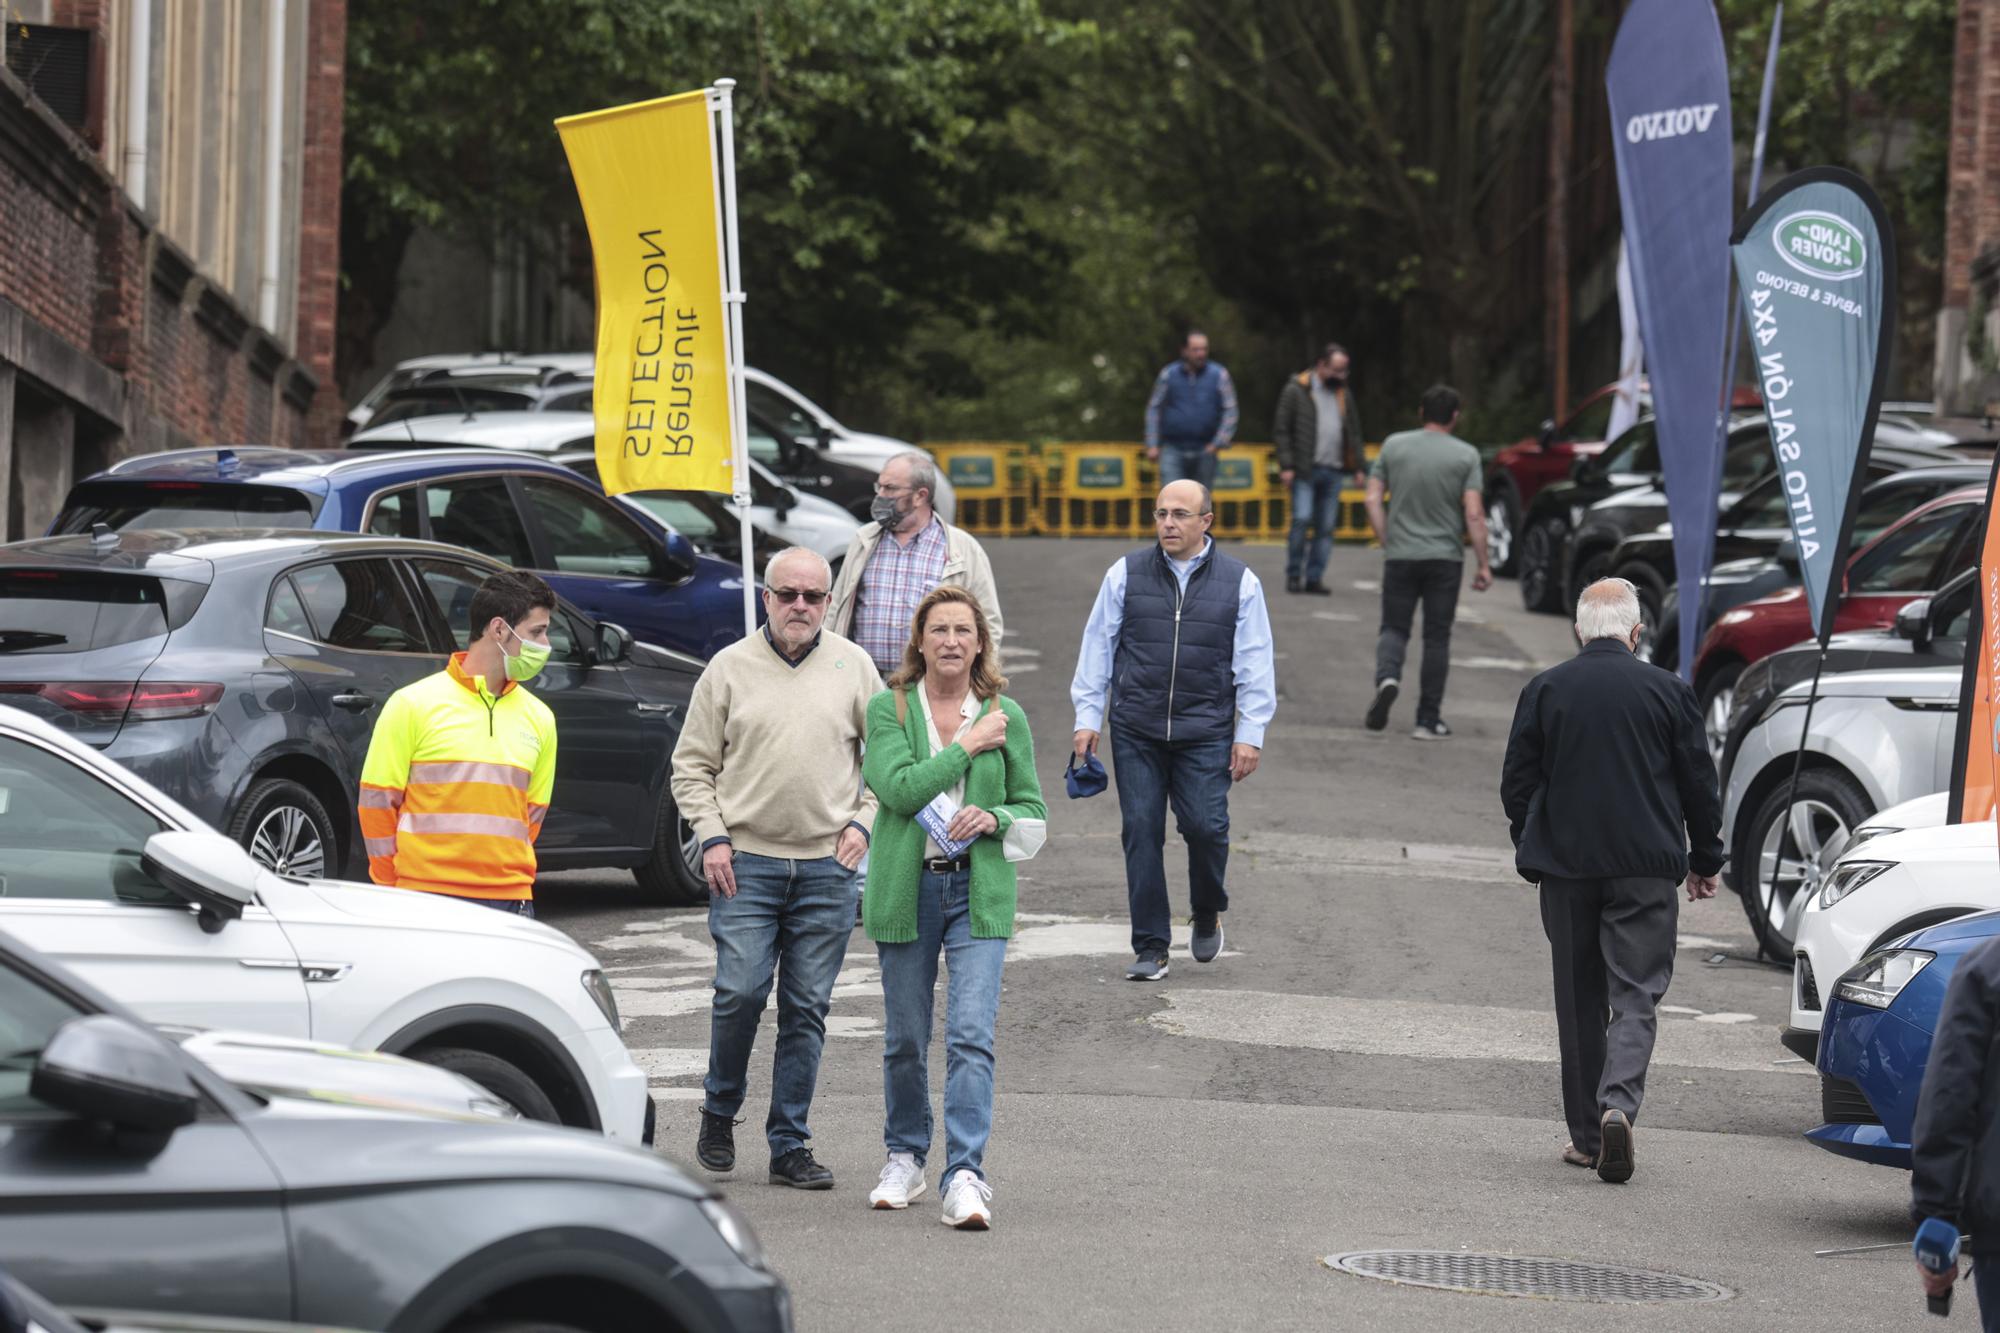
(113, 341)
(1964, 377)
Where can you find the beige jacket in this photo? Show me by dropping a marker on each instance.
(965, 566)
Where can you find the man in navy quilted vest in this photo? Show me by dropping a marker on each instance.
(1179, 644)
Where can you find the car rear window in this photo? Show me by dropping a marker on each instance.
(74, 611)
(183, 504)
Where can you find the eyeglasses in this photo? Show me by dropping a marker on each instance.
(880, 489)
(810, 596)
(1178, 515)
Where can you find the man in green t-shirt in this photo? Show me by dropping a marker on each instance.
(1432, 480)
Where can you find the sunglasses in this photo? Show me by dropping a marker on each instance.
(810, 596)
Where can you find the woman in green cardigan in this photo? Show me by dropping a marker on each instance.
(953, 766)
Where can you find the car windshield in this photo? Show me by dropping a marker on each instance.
(686, 516)
(1637, 450)
(122, 505)
(29, 1016)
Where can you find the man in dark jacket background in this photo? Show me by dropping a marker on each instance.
(1955, 1141)
(1611, 799)
(1317, 431)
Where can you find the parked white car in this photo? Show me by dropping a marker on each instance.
(1916, 873)
(1878, 738)
(108, 874)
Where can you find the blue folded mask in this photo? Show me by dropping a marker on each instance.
(1087, 780)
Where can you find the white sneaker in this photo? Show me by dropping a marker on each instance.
(902, 1180)
(968, 1203)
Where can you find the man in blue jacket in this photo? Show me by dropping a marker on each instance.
(1192, 414)
(1955, 1141)
(1180, 642)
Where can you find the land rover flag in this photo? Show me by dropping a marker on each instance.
(1668, 86)
(646, 175)
(1814, 258)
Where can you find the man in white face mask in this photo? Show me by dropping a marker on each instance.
(462, 763)
(882, 581)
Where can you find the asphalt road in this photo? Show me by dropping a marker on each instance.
(1369, 1066)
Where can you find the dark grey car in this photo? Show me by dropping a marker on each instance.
(242, 671)
(138, 1178)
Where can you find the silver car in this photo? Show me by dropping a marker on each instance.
(139, 1177)
(1878, 738)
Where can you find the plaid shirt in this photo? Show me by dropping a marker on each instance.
(893, 581)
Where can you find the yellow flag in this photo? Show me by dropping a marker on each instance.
(646, 176)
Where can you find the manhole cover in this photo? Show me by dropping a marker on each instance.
(1524, 1275)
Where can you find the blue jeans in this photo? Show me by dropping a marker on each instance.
(1194, 776)
(972, 1007)
(791, 919)
(1178, 462)
(1986, 1285)
(1315, 505)
(516, 906)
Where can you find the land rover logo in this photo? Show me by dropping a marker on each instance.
(1821, 245)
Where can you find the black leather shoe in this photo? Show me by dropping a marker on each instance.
(716, 1148)
(798, 1169)
(1318, 588)
(1295, 585)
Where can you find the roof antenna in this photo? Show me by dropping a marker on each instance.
(459, 393)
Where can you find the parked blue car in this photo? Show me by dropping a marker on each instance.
(1876, 1039)
(613, 562)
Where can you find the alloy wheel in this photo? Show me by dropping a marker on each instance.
(1715, 723)
(1499, 533)
(691, 848)
(287, 842)
(1803, 847)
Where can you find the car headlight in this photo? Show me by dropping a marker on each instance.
(600, 991)
(1879, 978)
(1849, 876)
(1777, 706)
(736, 1231)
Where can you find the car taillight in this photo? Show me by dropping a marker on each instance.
(107, 699)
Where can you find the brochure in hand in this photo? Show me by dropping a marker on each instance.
(936, 818)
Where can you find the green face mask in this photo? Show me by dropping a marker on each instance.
(528, 663)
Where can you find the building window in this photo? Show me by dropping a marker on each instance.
(55, 64)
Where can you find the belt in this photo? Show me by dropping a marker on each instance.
(938, 865)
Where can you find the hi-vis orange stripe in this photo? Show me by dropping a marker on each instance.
(1976, 757)
(456, 787)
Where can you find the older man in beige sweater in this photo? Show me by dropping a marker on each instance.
(768, 770)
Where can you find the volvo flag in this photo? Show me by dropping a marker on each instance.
(1668, 84)
(646, 175)
(1975, 758)
(1815, 261)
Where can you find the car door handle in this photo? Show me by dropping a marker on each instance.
(354, 703)
(658, 708)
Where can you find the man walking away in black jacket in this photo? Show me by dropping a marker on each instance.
(1611, 799)
(1955, 1142)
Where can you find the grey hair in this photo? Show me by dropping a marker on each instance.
(1608, 609)
(923, 474)
(798, 553)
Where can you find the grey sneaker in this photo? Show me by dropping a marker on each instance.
(1378, 711)
(1432, 731)
(1147, 967)
(1207, 942)
(799, 1169)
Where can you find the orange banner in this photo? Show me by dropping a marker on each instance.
(1976, 754)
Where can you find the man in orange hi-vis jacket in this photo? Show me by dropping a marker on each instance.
(462, 763)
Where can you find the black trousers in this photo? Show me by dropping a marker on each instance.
(1612, 943)
(1404, 584)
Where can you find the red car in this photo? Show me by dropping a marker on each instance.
(1521, 469)
(1914, 557)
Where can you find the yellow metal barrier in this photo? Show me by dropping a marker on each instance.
(1250, 502)
(1099, 493)
(995, 485)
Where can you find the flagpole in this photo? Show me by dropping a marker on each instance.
(1722, 409)
(732, 308)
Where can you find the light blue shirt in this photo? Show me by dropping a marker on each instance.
(1252, 661)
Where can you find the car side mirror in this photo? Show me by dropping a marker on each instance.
(102, 1067)
(784, 502)
(210, 871)
(614, 643)
(1546, 436)
(1787, 553)
(679, 565)
(1913, 622)
(823, 437)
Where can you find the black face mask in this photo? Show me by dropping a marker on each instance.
(1336, 381)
